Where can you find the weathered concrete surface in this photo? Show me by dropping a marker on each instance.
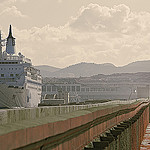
(40, 128)
(126, 135)
(145, 145)
(15, 115)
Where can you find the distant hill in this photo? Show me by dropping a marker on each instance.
(84, 69)
(46, 70)
(90, 69)
(138, 66)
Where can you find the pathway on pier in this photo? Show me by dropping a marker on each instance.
(145, 145)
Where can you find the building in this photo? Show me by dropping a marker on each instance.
(110, 87)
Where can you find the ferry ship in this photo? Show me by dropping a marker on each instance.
(20, 82)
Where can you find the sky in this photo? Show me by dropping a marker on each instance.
(60, 33)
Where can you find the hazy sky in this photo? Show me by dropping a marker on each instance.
(64, 32)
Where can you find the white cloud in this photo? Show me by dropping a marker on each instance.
(97, 34)
(97, 18)
(59, 1)
(12, 12)
(8, 2)
(119, 19)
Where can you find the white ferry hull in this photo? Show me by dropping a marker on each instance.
(20, 82)
(14, 97)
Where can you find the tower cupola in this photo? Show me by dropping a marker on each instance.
(10, 44)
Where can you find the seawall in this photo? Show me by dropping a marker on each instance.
(64, 127)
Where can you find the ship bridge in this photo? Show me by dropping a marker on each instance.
(12, 59)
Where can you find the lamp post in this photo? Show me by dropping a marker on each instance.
(132, 91)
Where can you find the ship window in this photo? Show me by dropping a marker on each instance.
(11, 75)
(1, 68)
(2, 75)
(16, 68)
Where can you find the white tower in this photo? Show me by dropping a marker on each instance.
(10, 44)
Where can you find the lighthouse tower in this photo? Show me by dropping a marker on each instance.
(10, 44)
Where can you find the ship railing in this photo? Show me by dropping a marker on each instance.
(24, 59)
(32, 70)
(27, 60)
(13, 58)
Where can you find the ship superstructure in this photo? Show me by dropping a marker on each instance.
(20, 82)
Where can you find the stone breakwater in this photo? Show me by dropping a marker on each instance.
(127, 135)
(64, 127)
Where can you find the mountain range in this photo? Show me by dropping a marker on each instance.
(89, 69)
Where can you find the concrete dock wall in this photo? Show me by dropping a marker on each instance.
(64, 130)
(126, 135)
(14, 115)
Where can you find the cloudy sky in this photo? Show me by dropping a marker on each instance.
(64, 32)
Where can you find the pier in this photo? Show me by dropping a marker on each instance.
(73, 127)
